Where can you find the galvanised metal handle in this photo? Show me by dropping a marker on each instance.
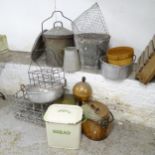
(54, 12)
(106, 122)
(58, 22)
(134, 58)
(23, 88)
(112, 117)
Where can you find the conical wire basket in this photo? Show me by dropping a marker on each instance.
(91, 36)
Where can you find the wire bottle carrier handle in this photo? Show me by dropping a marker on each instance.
(45, 76)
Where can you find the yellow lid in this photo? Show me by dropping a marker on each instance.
(119, 53)
(123, 62)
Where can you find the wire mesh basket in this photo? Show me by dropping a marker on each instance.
(46, 77)
(91, 36)
(46, 85)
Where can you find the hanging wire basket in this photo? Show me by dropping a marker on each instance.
(33, 99)
(91, 36)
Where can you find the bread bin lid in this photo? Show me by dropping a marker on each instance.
(58, 32)
(65, 114)
(119, 53)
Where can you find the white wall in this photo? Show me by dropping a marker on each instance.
(130, 22)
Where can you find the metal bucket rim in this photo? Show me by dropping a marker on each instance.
(103, 61)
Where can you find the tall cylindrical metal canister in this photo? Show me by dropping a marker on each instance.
(56, 40)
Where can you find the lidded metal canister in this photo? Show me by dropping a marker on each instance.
(56, 40)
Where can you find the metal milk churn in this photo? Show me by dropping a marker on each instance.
(56, 40)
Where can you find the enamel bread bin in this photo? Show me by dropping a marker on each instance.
(63, 126)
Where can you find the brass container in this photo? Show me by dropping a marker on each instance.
(82, 90)
(119, 53)
(98, 130)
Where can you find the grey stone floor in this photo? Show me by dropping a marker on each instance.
(22, 138)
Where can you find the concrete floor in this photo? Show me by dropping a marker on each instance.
(22, 138)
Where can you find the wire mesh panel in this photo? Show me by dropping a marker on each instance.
(91, 36)
(90, 21)
(28, 111)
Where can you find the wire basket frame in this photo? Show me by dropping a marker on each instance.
(90, 21)
(46, 77)
(28, 111)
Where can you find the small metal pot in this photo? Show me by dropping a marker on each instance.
(56, 40)
(115, 72)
